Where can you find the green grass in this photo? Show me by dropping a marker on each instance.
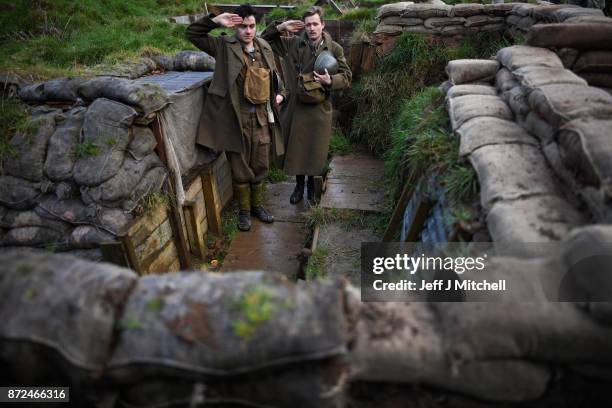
(275, 175)
(316, 263)
(256, 307)
(14, 117)
(339, 144)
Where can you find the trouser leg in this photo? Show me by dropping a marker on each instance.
(298, 191)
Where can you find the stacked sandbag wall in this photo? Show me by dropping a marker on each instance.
(77, 176)
(186, 337)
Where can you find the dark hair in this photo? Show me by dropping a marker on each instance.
(311, 11)
(245, 11)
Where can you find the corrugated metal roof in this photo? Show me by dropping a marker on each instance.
(175, 81)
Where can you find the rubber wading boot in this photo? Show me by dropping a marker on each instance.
(243, 192)
(298, 192)
(257, 209)
(310, 195)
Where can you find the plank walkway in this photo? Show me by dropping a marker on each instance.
(355, 182)
(271, 247)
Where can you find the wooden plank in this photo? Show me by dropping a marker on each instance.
(113, 252)
(212, 202)
(142, 227)
(398, 212)
(162, 259)
(155, 240)
(194, 230)
(418, 220)
(160, 149)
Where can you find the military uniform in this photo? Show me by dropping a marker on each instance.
(248, 133)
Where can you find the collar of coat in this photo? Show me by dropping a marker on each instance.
(236, 46)
(327, 40)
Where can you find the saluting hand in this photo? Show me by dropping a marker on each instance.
(228, 20)
(292, 26)
(324, 79)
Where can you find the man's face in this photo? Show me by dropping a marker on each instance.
(314, 27)
(245, 32)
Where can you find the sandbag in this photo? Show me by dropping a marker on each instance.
(568, 56)
(598, 79)
(106, 131)
(583, 36)
(379, 354)
(587, 18)
(142, 144)
(389, 29)
(537, 330)
(523, 9)
(470, 70)
(560, 103)
(487, 130)
(594, 61)
(87, 236)
(94, 255)
(541, 218)
(537, 76)
(481, 20)
(401, 21)
(445, 87)
(152, 182)
(32, 237)
(55, 90)
(562, 14)
(165, 62)
(539, 128)
(146, 98)
(547, 13)
(510, 172)
(20, 194)
(116, 189)
(504, 80)
(130, 69)
(463, 108)
(193, 61)
(58, 310)
(18, 219)
(30, 147)
(61, 152)
(499, 9)
(421, 10)
(420, 30)
(113, 220)
(469, 89)
(586, 148)
(517, 100)
(466, 10)
(435, 22)
(518, 56)
(197, 326)
(492, 27)
(393, 9)
(452, 30)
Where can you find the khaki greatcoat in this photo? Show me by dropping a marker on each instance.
(220, 125)
(306, 127)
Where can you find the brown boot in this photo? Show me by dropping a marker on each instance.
(243, 193)
(257, 208)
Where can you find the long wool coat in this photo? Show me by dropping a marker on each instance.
(306, 127)
(220, 125)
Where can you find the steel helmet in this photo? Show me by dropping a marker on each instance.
(326, 60)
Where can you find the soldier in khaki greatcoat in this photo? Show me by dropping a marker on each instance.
(240, 114)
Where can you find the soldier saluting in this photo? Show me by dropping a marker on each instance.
(307, 113)
(240, 114)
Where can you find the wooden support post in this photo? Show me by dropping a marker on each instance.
(176, 222)
(130, 253)
(196, 243)
(113, 252)
(318, 187)
(212, 201)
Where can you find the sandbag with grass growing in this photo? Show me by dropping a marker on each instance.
(62, 149)
(145, 97)
(239, 333)
(115, 190)
(58, 314)
(471, 70)
(55, 90)
(106, 135)
(152, 182)
(29, 147)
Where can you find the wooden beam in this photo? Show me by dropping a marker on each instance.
(398, 212)
(416, 225)
(196, 243)
(130, 253)
(212, 201)
(176, 222)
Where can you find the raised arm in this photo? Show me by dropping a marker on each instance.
(198, 32)
(272, 34)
